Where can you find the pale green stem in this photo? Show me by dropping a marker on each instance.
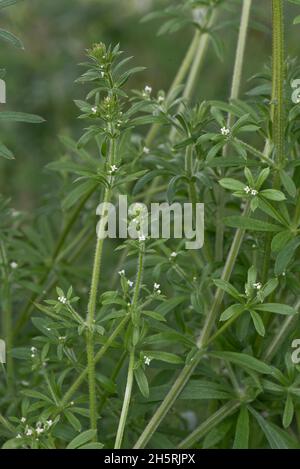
(130, 374)
(93, 299)
(221, 414)
(235, 89)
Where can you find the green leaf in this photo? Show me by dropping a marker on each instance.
(11, 116)
(258, 323)
(274, 435)
(244, 360)
(82, 439)
(280, 240)
(273, 194)
(74, 421)
(7, 3)
(268, 288)
(227, 287)
(288, 413)
(11, 38)
(285, 256)
(232, 184)
(297, 20)
(163, 356)
(276, 308)
(241, 439)
(76, 194)
(231, 311)
(5, 152)
(250, 224)
(288, 183)
(142, 381)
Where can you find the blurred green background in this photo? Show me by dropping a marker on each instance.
(56, 33)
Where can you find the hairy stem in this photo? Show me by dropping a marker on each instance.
(93, 299)
(130, 374)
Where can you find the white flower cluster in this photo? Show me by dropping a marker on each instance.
(33, 352)
(37, 431)
(147, 360)
(257, 285)
(156, 288)
(147, 91)
(113, 169)
(225, 131)
(251, 191)
(62, 299)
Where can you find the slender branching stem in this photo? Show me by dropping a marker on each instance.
(93, 297)
(234, 94)
(213, 420)
(135, 324)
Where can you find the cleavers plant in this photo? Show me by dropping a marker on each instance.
(148, 344)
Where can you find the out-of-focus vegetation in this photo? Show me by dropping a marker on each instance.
(41, 79)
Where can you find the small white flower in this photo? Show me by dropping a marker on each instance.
(156, 286)
(32, 355)
(148, 89)
(28, 432)
(225, 131)
(147, 360)
(33, 350)
(158, 292)
(247, 189)
(62, 338)
(48, 329)
(94, 109)
(146, 150)
(14, 265)
(283, 274)
(121, 272)
(130, 283)
(160, 99)
(49, 422)
(62, 299)
(39, 430)
(173, 254)
(142, 238)
(72, 403)
(23, 419)
(254, 192)
(257, 285)
(113, 169)
(18, 436)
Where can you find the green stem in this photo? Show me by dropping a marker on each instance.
(277, 110)
(225, 411)
(81, 378)
(126, 402)
(135, 323)
(234, 94)
(93, 298)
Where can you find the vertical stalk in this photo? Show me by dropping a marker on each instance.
(135, 323)
(234, 94)
(93, 300)
(277, 110)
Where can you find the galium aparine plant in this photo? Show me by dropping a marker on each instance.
(134, 343)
